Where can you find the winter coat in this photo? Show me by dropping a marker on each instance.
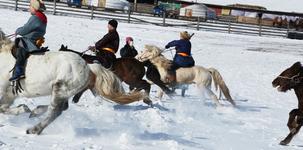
(34, 29)
(183, 56)
(128, 51)
(110, 40)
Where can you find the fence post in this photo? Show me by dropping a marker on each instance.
(198, 24)
(16, 5)
(92, 12)
(54, 9)
(260, 27)
(229, 26)
(164, 15)
(129, 12)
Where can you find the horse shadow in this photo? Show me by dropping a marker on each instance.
(139, 107)
(164, 136)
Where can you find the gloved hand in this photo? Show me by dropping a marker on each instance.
(92, 48)
(166, 47)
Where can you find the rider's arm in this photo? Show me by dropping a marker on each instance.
(30, 26)
(172, 44)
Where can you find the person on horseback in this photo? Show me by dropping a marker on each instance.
(107, 47)
(128, 50)
(182, 57)
(32, 36)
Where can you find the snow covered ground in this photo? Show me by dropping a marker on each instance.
(248, 64)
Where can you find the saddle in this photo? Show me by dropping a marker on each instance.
(39, 42)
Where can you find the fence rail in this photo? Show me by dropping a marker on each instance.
(145, 18)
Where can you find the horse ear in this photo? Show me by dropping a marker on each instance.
(62, 46)
(298, 64)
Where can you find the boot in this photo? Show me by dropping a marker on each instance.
(18, 74)
(20, 65)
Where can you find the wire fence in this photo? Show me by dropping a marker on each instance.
(92, 12)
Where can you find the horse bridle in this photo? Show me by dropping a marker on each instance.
(296, 79)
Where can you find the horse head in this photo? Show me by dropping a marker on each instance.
(289, 78)
(149, 52)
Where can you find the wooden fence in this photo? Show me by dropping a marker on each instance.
(129, 16)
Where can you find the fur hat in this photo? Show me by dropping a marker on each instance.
(37, 5)
(185, 35)
(129, 39)
(113, 23)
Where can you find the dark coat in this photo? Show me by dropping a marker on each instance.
(34, 29)
(182, 46)
(110, 40)
(128, 51)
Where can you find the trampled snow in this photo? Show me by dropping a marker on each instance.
(248, 65)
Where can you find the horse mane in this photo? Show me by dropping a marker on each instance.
(158, 59)
(5, 43)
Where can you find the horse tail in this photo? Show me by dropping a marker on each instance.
(108, 85)
(218, 81)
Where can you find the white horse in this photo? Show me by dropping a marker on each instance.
(197, 74)
(59, 74)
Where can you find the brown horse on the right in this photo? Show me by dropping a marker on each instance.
(292, 78)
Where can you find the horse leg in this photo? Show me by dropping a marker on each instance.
(77, 97)
(143, 84)
(41, 109)
(58, 104)
(294, 124)
(291, 120)
(212, 95)
(153, 75)
(6, 101)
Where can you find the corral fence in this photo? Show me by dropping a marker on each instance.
(92, 12)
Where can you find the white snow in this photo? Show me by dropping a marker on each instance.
(248, 65)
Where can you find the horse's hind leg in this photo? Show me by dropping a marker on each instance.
(6, 101)
(58, 104)
(212, 95)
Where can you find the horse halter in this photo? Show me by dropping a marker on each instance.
(296, 79)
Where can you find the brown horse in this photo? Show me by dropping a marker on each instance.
(129, 70)
(292, 78)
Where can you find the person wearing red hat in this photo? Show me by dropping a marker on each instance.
(128, 50)
(107, 47)
(32, 33)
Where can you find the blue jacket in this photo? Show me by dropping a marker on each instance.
(34, 29)
(182, 47)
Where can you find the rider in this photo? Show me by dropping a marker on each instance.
(108, 45)
(182, 57)
(128, 50)
(32, 37)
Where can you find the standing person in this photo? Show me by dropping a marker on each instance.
(182, 57)
(32, 36)
(108, 45)
(128, 50)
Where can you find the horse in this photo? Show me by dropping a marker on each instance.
(59, 74)
(197, 74)
(129, 70)
(292, 78)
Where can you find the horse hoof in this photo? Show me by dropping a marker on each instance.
(284, 142)
(34, 130)
(25, 108)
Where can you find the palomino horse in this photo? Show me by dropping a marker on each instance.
(197, 74)
(59, 74)
(292, 78)
(129, 70)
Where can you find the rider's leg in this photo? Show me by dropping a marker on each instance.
(19, 71)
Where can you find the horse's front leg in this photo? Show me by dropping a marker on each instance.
(291, 120)
(6, 101)
(294, 124)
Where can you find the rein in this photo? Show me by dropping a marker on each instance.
(296, 79)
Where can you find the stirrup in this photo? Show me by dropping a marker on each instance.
(16, 78)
